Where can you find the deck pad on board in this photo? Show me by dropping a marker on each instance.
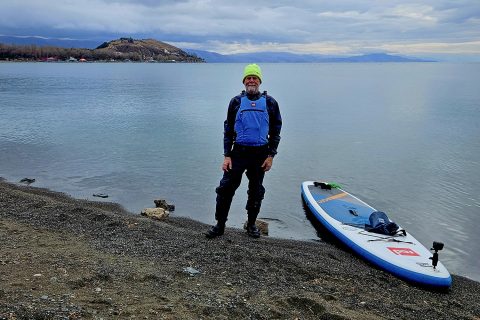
(341, 206)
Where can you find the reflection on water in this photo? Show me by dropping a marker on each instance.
(402, 137)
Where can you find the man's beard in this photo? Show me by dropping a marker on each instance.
(251, 89)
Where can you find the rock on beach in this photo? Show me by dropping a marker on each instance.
(155, 213)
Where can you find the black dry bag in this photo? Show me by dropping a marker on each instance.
(379, 223)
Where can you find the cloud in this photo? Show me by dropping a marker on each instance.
(230, 26)
(472, 47)
(416, 13)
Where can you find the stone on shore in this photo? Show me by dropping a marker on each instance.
(261, 225)
(155, 213)
(27, 181)
(161, 203)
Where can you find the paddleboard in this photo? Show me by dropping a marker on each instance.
(345, 216)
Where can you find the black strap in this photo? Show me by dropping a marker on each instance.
(322, 185)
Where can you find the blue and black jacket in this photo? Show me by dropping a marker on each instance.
(274, 122)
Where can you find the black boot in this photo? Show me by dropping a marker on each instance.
(216, 231)
(253, 231)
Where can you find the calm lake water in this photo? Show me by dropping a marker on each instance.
(403, 137)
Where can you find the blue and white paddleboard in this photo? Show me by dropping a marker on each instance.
(345, 216)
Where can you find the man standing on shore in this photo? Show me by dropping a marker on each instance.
(251, 138)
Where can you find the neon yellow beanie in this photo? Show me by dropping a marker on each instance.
(252, 70)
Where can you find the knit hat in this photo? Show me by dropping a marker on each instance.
(252, 70)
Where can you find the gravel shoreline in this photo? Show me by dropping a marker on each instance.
(64, 258)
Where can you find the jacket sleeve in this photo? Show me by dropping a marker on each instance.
(229, 126)
(275, 125)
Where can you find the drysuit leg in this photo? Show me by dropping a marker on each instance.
(256, 191)
(226, 190)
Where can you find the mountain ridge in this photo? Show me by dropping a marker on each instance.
(274, 57)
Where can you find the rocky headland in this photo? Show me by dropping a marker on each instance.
(119, 50)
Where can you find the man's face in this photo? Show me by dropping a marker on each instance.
(252, 84)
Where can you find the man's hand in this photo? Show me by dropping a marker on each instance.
(267, 164)
(227, 164)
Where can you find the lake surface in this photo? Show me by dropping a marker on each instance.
(404, 137)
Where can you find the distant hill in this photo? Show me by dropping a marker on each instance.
(271, 57)
(148, 49)
(123, 49)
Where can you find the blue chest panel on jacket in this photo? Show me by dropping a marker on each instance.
(252, 122)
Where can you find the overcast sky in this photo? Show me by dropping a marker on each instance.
(325, 26)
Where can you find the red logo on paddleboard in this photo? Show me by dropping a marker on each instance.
(403, 251)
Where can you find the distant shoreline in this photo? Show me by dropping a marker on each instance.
(232, 62)
(93, 61)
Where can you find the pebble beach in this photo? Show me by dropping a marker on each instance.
(66, 258)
